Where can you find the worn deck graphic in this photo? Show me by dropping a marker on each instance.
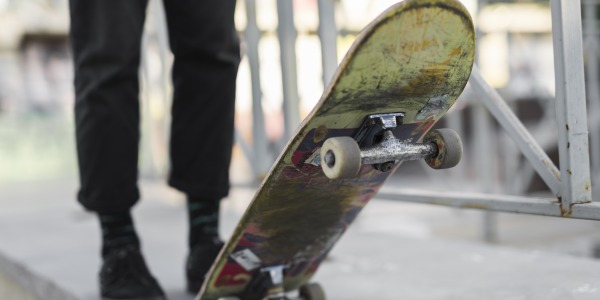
(414, 59)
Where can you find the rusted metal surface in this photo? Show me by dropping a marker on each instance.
(571, 112)
(416, 59)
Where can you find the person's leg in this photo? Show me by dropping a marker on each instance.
(206, 49)
(105, 39)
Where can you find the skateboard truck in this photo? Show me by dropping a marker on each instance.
(276, 291)
(269, 286)
(376, 144)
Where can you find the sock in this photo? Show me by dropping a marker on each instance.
(117, 231)
(204, 220)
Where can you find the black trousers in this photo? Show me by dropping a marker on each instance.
(106, 41)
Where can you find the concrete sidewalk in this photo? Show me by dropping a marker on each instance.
(49, 249)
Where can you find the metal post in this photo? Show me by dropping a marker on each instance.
(593, 80)
(286, 32)
(571, 103)
(328, 36)
(486, 167)
(260, 158)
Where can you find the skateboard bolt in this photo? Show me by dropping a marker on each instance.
(388, 166)
(329, 159)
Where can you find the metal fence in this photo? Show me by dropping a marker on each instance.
(505, 155)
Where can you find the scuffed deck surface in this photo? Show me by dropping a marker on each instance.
(415, 59)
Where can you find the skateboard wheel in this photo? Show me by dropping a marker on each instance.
(312, 291)
(449, 148)
(340, 158)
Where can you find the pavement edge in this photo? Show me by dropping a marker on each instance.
(17, 282)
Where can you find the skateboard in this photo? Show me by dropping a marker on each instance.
(401, 75)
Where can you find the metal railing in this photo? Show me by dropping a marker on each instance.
(570, 186)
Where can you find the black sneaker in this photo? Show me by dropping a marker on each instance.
(199, 262)
(124, 276)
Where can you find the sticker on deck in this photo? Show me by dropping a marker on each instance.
(248, 260)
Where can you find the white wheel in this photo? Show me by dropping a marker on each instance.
(449, 146)
(312, 291)
(340, 158)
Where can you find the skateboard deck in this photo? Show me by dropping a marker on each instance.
(414, 59)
